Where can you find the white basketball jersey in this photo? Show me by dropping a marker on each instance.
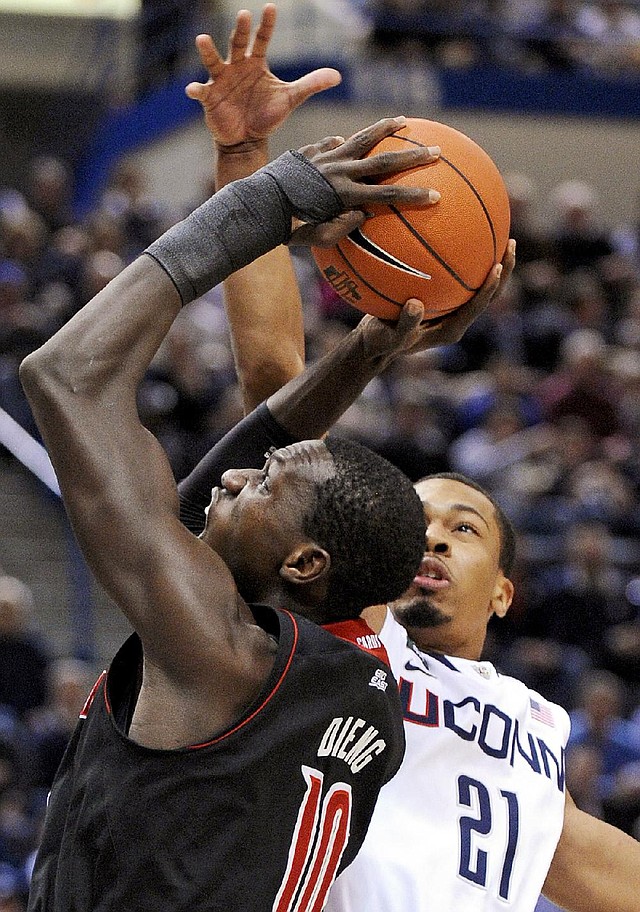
(471, 821)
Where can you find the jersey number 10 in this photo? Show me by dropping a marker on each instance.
(320, 837)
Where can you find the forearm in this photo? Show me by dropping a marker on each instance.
(596, 867)
(305, 408)
(311, 403)
(262, 301)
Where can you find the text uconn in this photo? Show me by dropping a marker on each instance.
(495, 733)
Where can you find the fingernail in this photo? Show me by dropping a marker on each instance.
(401, 119)
(499, 270)
(434, 196)
(434, 150)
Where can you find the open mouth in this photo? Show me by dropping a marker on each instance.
(432, 575)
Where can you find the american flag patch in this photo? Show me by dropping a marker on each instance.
(541, 713)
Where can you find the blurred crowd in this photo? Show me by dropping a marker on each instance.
(590, 35)
(540, 402)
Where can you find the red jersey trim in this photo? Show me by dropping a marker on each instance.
(266, 700)
(358, 632)
(92, 693)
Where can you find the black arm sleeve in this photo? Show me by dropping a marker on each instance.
(244, 447)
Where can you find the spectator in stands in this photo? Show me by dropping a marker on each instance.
(530, 234)
(584, 770)
(600, 722)
(416, 442)
(626, 237)
(552, 38)
(505, 379)
(582, 294)
(600, 491)
(621, 806)
(142, 217)
(581, 596)
(582, 386)
(24, 659)
(548, 666)
(51, 725)
(622, 650)
(488, 452)
(500, 335)
(579, 241)
(164, 32)
(98, 268)
(15, 310)
(613, 29)
(50, 190)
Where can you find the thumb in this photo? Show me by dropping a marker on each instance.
(327, 234)
(314, 82)
(410, 317)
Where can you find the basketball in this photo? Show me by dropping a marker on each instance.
(441, 253)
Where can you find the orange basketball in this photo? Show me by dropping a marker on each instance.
(440, 254)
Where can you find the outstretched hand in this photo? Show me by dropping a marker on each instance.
(411, 333)
(243, 101)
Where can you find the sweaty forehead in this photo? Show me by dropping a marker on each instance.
(448, 494)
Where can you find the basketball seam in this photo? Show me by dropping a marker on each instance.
(478, 197)
(363, 280)
(473, 189)
(433, 252)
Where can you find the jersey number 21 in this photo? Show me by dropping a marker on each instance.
(474, 861)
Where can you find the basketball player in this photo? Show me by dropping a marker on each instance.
(232, 755)
(478, 816)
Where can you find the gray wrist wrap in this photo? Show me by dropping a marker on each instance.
(241, 222)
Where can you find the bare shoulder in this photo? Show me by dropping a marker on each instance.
(375, 617)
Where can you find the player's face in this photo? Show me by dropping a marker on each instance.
(256, 516)
(459, 584)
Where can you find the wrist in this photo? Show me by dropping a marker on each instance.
(369, 348)
(239, 160)
(248, 148)
(250, 153)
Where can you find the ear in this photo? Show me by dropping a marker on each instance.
(307, 563)
(502, 596)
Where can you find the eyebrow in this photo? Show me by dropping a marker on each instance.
(462, 508)
(465, 508)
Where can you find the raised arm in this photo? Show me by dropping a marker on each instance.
(311, 403)
(82, 384)
(596, 867)
(244, 103)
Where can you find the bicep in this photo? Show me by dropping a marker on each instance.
(121, 498)
(595, 868)
(177, 593)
